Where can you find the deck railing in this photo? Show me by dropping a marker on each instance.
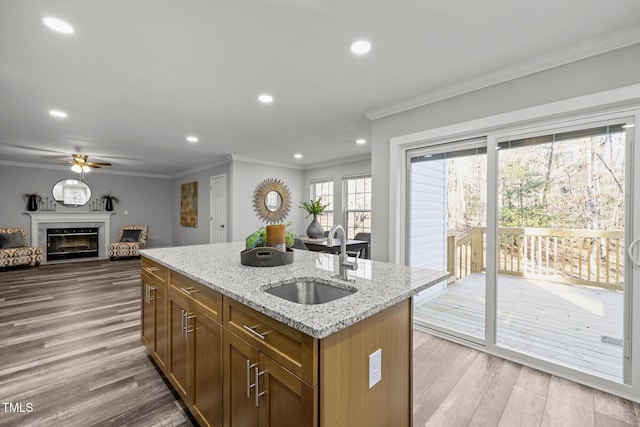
(593, 257)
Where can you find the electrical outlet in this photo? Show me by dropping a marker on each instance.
(375, 367)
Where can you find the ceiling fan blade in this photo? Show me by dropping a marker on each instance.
(98, 164)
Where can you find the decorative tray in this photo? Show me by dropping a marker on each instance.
(266, 256)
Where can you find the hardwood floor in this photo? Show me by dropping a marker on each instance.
(70, 355)
(70, 350)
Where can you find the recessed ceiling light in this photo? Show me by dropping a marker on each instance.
(265, 98)
(58, 114)
(361, 141)
(360, 47)
(297, 156)
(58, 25)
(192, 138)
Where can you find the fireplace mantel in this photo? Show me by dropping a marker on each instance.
(40, 219)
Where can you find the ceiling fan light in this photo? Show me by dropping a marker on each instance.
(76, 168)
(86, 168)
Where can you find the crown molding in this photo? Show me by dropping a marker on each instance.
(93, 171)
(340, 161)
(625, 37)
(201, 168)
(236, 157)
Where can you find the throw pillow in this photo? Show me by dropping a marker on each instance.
(130, 236)
(11, 240)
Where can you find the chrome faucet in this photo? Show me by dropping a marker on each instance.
(343, 261)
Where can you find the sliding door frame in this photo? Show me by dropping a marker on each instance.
(618, 103)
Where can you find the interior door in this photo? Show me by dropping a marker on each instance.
(218, 209)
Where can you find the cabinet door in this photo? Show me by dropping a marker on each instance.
(148, 315)
(284, 399)
(205, 370)
(240, 359)
(159, 296)
(178, 344)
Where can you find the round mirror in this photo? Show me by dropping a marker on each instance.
(71, 193)
(271, 200)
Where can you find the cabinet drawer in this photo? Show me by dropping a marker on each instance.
(155, 270)
(207, 298)
(287, 346)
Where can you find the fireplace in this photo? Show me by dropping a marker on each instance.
(69, 243)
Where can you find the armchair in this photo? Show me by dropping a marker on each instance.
(14, 249)
(130, 239)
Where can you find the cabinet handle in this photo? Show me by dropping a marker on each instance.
(258, 394)
(252, 329)
(249, 385)
(182, 319)
(190, 290)
(186, 326)
(152, 288)
(146, 293)
(152, 269)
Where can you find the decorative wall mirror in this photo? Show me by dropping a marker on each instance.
(272, 200)
(71, 193)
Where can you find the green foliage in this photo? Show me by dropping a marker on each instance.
(314, 207)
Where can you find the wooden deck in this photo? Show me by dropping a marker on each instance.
(576, 326)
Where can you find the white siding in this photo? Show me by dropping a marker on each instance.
(427, 215)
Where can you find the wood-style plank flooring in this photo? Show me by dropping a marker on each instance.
(70, 349)
(577, 326)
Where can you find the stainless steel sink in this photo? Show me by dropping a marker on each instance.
(309, 292)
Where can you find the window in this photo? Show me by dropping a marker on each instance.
(324, 188)
(358, 212)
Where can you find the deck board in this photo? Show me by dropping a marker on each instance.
(558, 322)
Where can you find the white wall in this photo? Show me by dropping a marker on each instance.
(245, 177)
(200, 234)
(607, 71)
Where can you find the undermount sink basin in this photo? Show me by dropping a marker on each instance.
(310, 292)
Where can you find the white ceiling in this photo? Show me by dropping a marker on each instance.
(138, 76)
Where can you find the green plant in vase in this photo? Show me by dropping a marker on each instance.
(109, 199)
(315, 208)
(32, 201)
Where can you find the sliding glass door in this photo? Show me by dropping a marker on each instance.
(552, 286)
(561, 222)
(447, 217)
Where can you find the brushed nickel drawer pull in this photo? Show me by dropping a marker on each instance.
(252, 329)
(258, 394)
(152, 269)
(187, 318)
(249, 385)
(190, 290)
(182, 318)
(152, 288)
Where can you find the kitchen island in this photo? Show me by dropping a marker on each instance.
(241, 356)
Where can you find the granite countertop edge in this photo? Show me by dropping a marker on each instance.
(317, 321)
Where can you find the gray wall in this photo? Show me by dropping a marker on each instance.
(147, 200)
(200, 234)
(245, 177)
(607, 71)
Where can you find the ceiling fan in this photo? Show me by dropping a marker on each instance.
(81, 164)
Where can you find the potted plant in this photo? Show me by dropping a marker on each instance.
(32, 201)
(109, 199)
(315, 208)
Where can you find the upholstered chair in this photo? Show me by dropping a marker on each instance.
(130, 240)
(14, 249)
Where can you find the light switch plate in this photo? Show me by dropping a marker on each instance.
(375, 367)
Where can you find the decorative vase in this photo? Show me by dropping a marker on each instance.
(32, 203)
(315, 229)
(108, 206)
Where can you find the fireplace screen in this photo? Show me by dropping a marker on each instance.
(67, 243)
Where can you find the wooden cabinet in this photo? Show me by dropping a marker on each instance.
(260, 392)
(236, 367)
(154, 310)
(195, 357)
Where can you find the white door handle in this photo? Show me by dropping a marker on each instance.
(634, 254)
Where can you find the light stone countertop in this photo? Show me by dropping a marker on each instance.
(379, 285)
